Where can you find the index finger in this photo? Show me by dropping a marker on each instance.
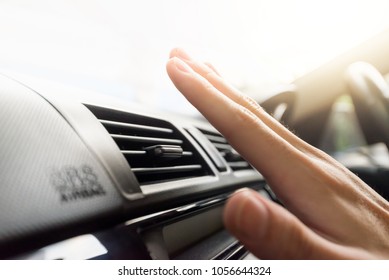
(252, 138)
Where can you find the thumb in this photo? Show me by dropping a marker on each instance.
(270, 231)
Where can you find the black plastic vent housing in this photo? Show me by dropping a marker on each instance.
(155, 150)
(234, 160)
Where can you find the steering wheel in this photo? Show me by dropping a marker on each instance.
(370, 94)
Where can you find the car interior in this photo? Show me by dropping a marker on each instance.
(86, 175)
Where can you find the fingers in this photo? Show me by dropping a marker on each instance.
(213, 68)
(276, 131)
(308, 152)
(266, 150)
(244, 130)
(265, 230)
(264, 132)
(207, 71)
(270, 232)
(325, 196)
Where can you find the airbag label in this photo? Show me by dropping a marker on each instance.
(76, 183)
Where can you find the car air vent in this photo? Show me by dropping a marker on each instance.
(232, 157)
(155, 149)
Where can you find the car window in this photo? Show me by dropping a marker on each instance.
(120, 47)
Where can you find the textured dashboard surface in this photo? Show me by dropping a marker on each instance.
(66, 179)
(49, 178)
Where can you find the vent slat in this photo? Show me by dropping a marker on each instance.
(216, 139)
(146, 139)
(238, 164)
(233, 159)
(129, 152)
(136, 136)
(169, 169)
(136, 126)
(222, 146)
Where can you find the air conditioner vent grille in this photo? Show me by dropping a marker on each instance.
(234, 160)
(155, 149)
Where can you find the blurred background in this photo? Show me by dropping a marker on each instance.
(120, 47)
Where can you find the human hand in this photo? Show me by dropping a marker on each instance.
(332, 213)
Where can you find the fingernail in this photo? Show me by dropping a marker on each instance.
(241, 190)
(181, 65)
(249, 211)
(183, 54)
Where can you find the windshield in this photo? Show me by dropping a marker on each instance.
(120, 47)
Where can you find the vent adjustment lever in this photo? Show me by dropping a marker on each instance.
(165, 151)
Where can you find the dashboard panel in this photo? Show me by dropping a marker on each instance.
(87, 177)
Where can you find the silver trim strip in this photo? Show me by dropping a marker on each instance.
(169, 169)
(214, 138)
(136, 126)
(131, 152)
(146, 139)
(222, 146)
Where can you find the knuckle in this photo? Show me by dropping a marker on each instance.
(209, 74)
(208, 87)
(251, 103)
(244, 116)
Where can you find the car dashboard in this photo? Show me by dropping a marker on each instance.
(86, 177)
